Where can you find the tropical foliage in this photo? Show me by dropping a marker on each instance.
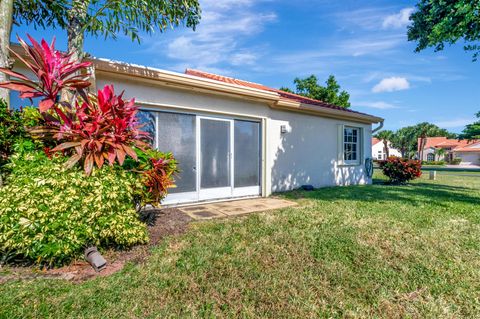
(439, 22)
(407, 138)
(385, 136)
(11, 129)
(95, 128)
(399, 170)
(472, 131)
(99, 129)
(330, 93)
(50, 213)
(50, 210)
(53, 72)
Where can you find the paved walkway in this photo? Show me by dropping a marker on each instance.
(234, 208)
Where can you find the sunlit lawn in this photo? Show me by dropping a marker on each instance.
(365, 251)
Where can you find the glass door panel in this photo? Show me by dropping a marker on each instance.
(215, 158)
(177, 134)
(246, 158)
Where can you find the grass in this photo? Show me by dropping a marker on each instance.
(363, 251)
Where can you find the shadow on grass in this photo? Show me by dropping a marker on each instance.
(415, 193)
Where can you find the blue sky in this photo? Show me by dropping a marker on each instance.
(362, 43)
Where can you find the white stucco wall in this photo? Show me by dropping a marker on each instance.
(378, 149)
(306, 154)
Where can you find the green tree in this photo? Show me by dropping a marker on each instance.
(406, 139)
(330, 93)
(385, 136)
(439, 152)
(472, 131)
(440, 22)
(401, 140)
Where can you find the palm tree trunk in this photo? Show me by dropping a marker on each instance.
(75, 32)
(423, 141)
(385, 148)
(6, 16)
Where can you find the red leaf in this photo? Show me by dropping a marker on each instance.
(15, 74)
(111, 155)
(99, 160)
(88, 164)
(120, 155)
(65, 146)
(72, 161)
(130, 152)
(18, 86)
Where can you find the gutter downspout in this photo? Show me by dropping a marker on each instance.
(379, 127)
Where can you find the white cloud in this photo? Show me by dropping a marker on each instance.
(391, 84)
(381, 105)
(459, 122)
(218, 40)
(398, 20)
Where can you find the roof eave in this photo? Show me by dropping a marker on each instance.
(182, 81)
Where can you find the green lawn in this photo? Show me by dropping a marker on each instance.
(363, 251)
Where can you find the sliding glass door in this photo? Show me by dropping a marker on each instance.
(218, 157)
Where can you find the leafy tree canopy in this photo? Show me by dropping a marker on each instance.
(437, 22)
(330, 93)
(384, 135)
(472, 131)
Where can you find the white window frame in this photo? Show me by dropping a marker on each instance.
(341, 145)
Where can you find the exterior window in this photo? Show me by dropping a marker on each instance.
(430, 157)
(351, 145)
(380, 155)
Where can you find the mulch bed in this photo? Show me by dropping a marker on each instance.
(168, 222)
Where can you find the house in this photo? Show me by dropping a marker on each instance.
(467, 151)
(378, 149)
(235, 138)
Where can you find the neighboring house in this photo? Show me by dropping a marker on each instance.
(378, 149)
(467, 151)
(235, 138)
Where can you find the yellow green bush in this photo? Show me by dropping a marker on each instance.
(49, 214)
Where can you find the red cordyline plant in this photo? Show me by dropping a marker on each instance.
(53, 70)
(103, 129)
(90, 128)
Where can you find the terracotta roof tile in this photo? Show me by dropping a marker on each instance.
(375, 141)
(443, 142)
(474, 146)
(283, 94)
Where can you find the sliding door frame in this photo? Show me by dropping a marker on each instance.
(210, 194)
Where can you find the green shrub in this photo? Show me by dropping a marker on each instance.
(49, 214)
(11, 130)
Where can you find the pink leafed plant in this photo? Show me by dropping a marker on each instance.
(54, 71)
(104, 130)
(89, 128)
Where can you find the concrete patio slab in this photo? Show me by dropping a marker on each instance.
(234, 208)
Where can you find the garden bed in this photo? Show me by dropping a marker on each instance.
(169, 222)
